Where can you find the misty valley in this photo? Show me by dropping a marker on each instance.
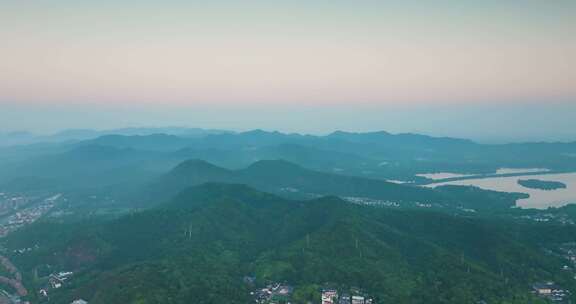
(287, 152)
(268, 217)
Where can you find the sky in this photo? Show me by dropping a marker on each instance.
(494, 70)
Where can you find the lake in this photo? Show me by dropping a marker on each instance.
(442, 175)
(538, 198)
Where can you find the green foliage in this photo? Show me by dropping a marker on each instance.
(540, 184)
(307, 294)
(197, 248)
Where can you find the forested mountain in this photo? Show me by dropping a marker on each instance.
(335, 178)
(91, 166)
(288, 179)
(377, 155)
(169, 218)
(197, 247)
(72, 135)
(292, 181)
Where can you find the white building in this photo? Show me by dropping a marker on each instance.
(357, 300)
(329, 296)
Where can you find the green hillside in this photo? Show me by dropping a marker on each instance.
(197, 248)
(282, 177)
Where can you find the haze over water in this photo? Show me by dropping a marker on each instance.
(538, 198)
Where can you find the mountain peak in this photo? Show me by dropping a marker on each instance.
(260, 132)
(274, 164)
(196, 165)
(362, 135)
(214, 191)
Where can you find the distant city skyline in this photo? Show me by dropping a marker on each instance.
(487, 70)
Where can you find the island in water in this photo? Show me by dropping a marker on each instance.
(541, 185)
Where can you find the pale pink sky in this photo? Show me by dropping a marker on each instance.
(309, 66)
(305, 53)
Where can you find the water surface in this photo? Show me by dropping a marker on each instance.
(538, 198)
(442, 175)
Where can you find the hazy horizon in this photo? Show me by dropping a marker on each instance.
(490, 70)
(456, 209)
(533, 122)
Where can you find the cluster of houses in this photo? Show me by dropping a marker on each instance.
(568, 252)
(276, 293)
(26, 213)
(551, 292)
(331, 296)
(273, 293)
(55, 281)
(25, 249)
(10, 203)
(559, 218)
(280, 293)
(366, 201)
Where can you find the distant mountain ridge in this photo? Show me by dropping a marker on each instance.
(373, 155)
(279, 176)
(26, 138)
